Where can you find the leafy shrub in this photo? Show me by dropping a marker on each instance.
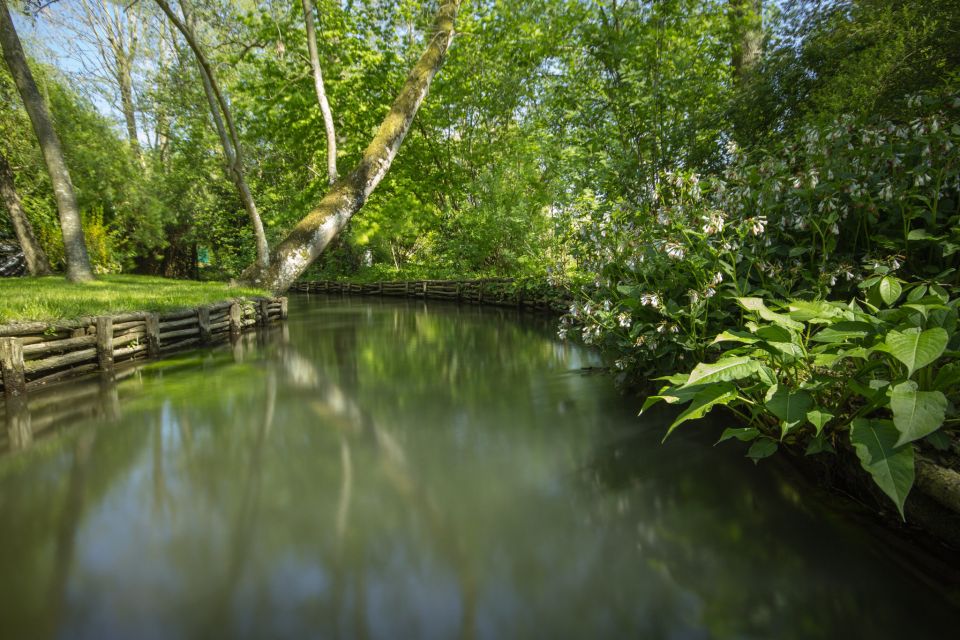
(877, 377)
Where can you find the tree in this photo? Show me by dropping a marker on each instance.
(75, 248)
(223, 121)
(746, 26)
(321, 92)
(37, 262)
(313, 233)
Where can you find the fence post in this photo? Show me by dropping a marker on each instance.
(236, 316)
(11, 368)
(153, 335)
(105, 342)
(264, 311)
(203, 318)
(283, 308)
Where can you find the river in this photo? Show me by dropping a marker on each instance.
(394, 469)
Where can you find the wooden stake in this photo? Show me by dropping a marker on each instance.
(105, 342)
(283, 308)
(11, 367)
(264, 311)
(236, 317)
(203, 317)
(153, 335)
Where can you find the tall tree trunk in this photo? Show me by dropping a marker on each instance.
(220, 112)
(37, 262)
(311, 236)
(321, 92)
(746, 19)
(75, 249)
(129, 114)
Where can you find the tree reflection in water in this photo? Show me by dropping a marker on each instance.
(383, 469)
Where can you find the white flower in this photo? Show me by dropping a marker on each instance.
(713, 223)
(694, 296)
(650, 300)
(710, 292)
(674, 250)
(717, 278)
(757, 225)
(624, 320)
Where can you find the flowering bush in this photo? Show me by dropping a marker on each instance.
(845, 202)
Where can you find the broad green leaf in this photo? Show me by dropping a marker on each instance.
(843, 332)
(723, 370)
(790, 406)
(735, 336)
(819, 444)
(917, 293)
(813, 311)
(948, 377)
(743, 434)
(916, 413)
(890, 467)
(889, 290)
(762, 448)
(671, 395)
(703, 402)
(819, 418)
(916, 349)
(766, 375)
(939, 441)
(757, 306)
(675, 379)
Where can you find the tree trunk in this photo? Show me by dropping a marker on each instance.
(311, 236)
(228, 135)
(75, 249)
(37, 262)
(746, 19)
(321, 92)
(125, 81)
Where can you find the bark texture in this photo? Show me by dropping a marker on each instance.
(311, 235)
(321, 91)
(75, 249)
(223, 121)
(37, 262)
(746, 17)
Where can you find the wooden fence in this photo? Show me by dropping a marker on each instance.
(38, 353)
(502, 292)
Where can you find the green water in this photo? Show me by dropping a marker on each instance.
(393, 469)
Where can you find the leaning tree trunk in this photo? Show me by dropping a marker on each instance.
(75, 249)
(321, 92)
(37, 262)
(311, 236)
(229, 139)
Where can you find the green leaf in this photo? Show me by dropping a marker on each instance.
(843, 332)
(938, 440)
(735, 336)
(889, 290)
(916, 413)
(819, 444)
(890, 467)
(948, 377)
(757, 306)
(790, 406)
(723, 370)
(703, 402)
(916, 349)
(819, 419)
(813, 311)
(743, 434)
(762, 448)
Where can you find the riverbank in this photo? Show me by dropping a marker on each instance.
(53, 298)
(503, 292)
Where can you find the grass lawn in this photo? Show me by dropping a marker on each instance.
(53, 298)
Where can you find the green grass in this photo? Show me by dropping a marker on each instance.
(53, 298)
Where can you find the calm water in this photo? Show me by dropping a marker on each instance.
(391, 470)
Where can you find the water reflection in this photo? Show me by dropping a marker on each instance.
(393, 470)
